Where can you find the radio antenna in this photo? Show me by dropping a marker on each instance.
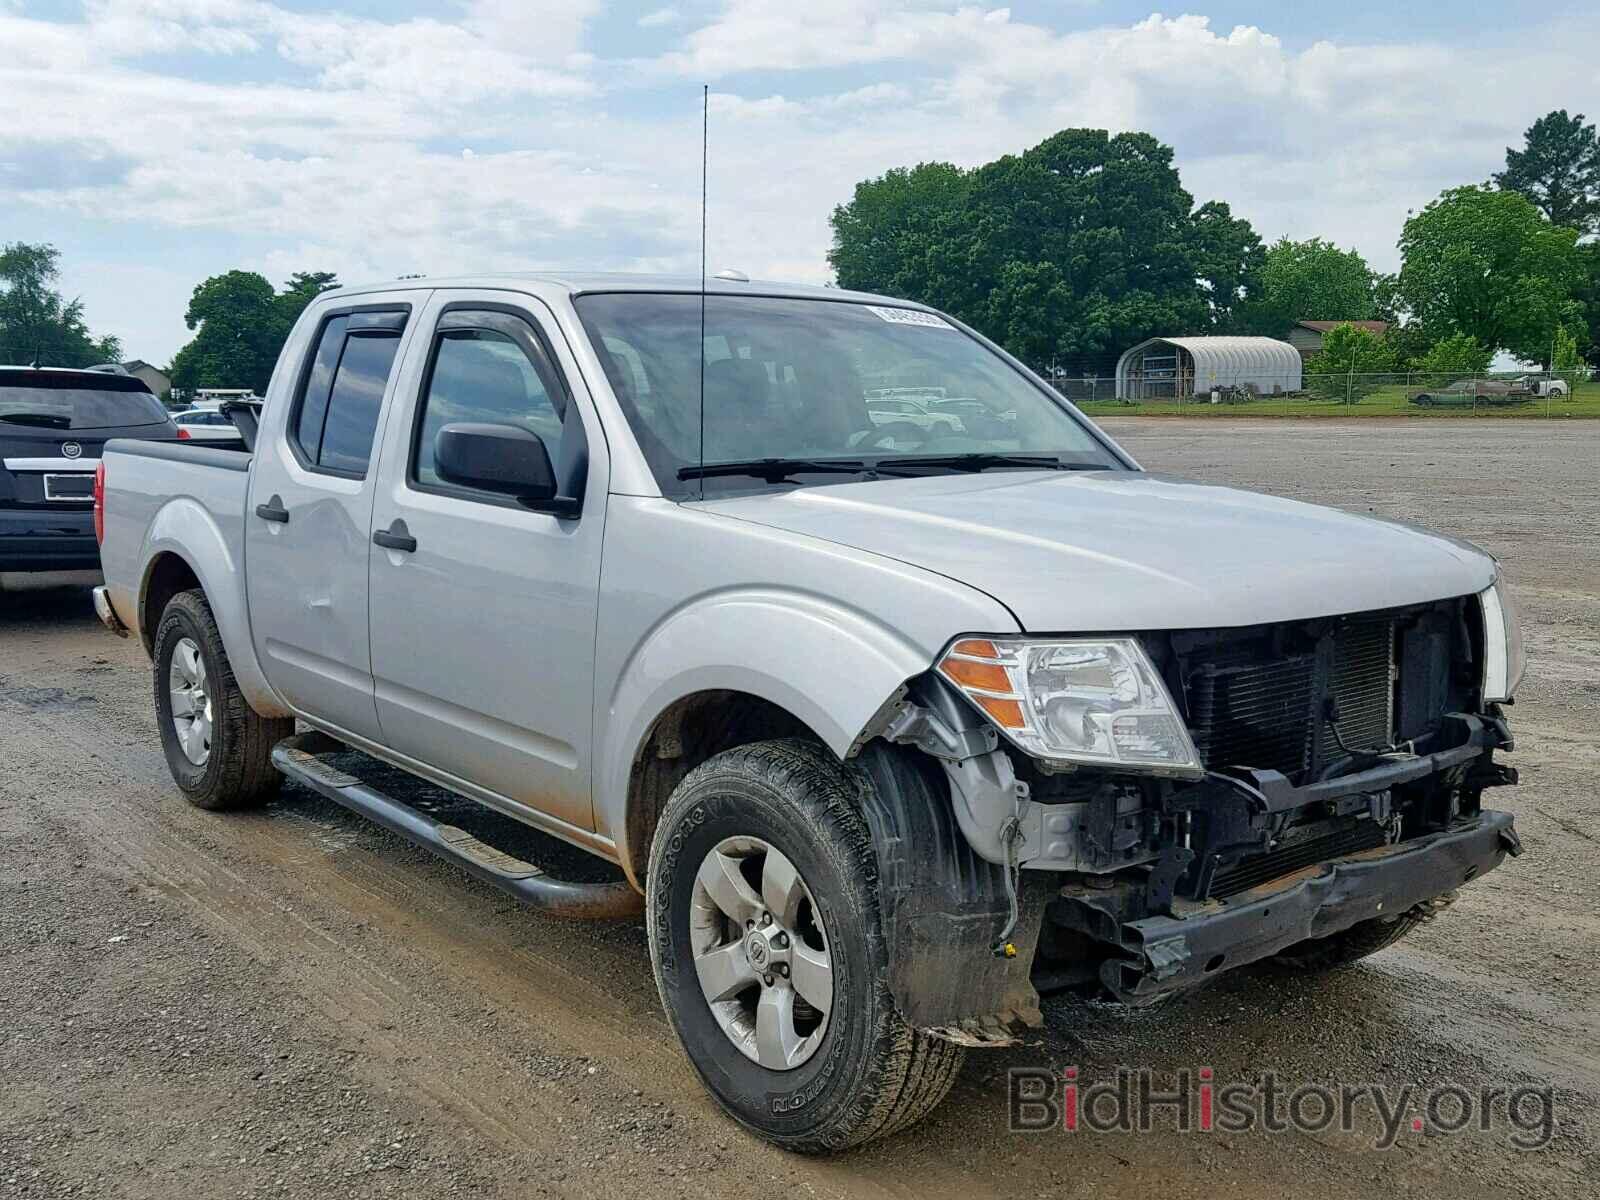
(705, 146)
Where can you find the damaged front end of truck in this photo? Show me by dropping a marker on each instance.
(1132, 814)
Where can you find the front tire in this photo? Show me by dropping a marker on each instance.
(769, 953)
(218, 748)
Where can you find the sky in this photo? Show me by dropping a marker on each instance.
(156, 142)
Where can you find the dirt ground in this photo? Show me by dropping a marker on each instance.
(294, 1004)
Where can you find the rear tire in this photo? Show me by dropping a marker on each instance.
(235, 747)
(862, 1073)
(1350, 946)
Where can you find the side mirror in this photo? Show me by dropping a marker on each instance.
(505, 459)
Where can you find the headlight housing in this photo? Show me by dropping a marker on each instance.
(1503, 660)
(1091, 701)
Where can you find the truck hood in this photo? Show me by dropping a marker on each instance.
(1104, 551)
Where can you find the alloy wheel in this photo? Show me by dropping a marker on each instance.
(760, 953)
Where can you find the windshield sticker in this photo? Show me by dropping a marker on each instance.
(910, 316)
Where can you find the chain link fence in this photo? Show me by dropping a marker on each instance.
(1351, 393)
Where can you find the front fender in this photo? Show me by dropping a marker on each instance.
(184, 528)
(831, 666)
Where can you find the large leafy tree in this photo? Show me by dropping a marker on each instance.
(1488, 264)
(238, 333)
(1079, 246)
(240, 326)
(1312, 281)
(1230, 263)
(302, 288)
(1587, 298)
(38, 324)
(1558, 169)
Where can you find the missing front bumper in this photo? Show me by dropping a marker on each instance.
(1163, 954)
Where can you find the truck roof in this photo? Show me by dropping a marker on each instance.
(579, 282)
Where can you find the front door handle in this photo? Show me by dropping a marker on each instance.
(396, 537)
(274, 511)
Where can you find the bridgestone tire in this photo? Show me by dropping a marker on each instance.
(1350, 946)
(239, 771)
(872, 1074)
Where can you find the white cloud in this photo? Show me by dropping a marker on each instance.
(659, 17)
(494, 138)
(547, 30)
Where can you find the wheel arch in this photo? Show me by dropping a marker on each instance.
(185, 549)
(804, 664)
(691, 729)
(167, 574)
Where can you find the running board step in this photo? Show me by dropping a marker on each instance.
(296, 758)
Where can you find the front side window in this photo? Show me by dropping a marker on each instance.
(485, 375)
(337, 417)
(809, 380)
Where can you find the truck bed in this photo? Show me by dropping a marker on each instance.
(180, 496)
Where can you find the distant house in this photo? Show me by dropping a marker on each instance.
(157, 380)
(1306, 336)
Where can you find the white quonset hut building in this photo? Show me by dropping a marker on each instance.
(1177, 368)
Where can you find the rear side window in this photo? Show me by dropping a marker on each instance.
(337, 417)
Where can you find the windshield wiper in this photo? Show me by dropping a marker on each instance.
(981, 461)
(774, 470)
(43, 420)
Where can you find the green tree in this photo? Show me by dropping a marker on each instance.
(241, 325)
(1080, 246)
(37, 324)
(1564, 356)
(1312, 281)
(1458, 354)
(1487, 264)
(1349, 353)
(1230, 264)
(882, 238)
(238, 333)
(1558, 169)
(302, 288)
(1587, 298)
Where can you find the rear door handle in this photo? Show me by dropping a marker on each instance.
(273, 510)
(396, 537)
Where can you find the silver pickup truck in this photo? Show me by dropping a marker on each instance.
(886, 725)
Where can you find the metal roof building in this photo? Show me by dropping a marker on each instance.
(1180, 367)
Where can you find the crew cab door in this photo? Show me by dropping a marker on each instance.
(309, 513)
(483, 606)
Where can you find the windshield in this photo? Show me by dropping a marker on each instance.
(844, 387)
(58, 407)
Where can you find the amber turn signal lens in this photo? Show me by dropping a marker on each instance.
(975, 648)
(987, 676)
(1006, 713)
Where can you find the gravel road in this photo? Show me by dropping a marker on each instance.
(292, 1003)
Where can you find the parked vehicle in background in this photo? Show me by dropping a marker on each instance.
(884, 728)
(1470, 392)
(917, 418)
(53, 423)
(1546, 388)
(204, 425)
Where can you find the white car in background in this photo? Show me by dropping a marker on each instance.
(204, 425)
(890, 411)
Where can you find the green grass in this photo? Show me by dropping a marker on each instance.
(1384, 402)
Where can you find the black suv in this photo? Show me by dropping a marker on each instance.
(53, 423)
